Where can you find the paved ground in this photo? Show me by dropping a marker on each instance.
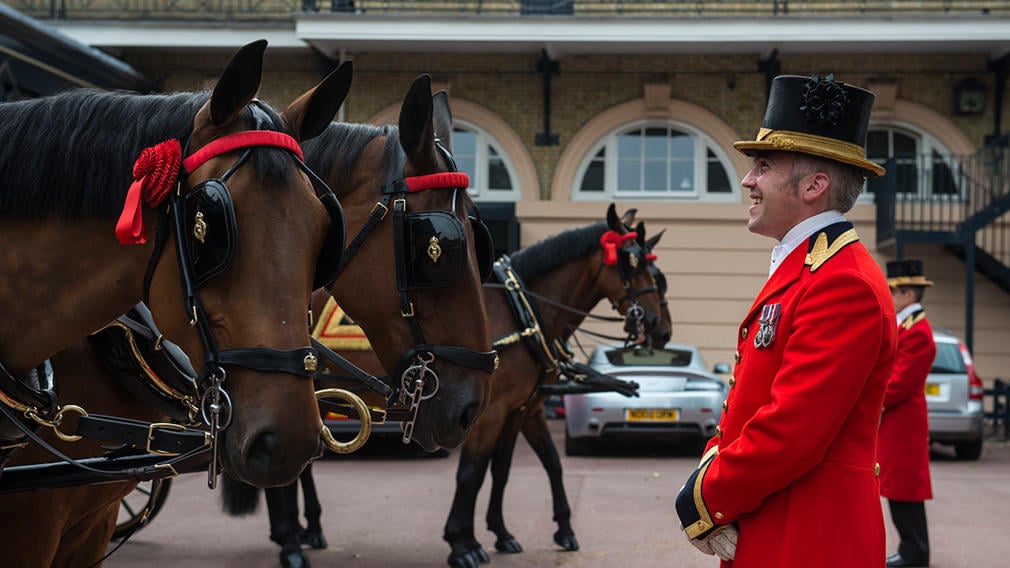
(387, 508)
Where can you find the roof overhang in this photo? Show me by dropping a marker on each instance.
(333, 34)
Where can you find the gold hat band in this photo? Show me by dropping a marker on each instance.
(790, 141)
(908, 281)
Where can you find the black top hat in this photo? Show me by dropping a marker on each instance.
(906, 273)
(819, 117)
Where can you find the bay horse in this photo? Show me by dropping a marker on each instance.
(449, 320)
(220, 176)
(568, 275)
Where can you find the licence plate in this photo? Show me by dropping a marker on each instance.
(932, 389)
(652, 414)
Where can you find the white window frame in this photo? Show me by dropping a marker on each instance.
(478, 189)
(702, 144)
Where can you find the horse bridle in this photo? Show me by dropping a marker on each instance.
(629, 261)
(418, 381)
(187, 226)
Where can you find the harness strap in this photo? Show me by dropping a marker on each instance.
(356, 373)
(526, 315)
(156, 438)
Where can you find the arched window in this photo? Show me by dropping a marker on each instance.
(656, 160)
(924, 168)
(492, 176)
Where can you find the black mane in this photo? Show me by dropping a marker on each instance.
(538, 259)
(334, 153)
(71, 155)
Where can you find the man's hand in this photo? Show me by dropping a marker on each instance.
(721, 542)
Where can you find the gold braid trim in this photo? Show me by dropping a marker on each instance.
(822, 252)
(788, 140)
(704, 523)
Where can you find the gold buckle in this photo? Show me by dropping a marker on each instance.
(409, 313)
(384, 209)
(163, 426)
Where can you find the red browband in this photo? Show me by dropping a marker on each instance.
(610, 241)
(441, 180)
(157, 169)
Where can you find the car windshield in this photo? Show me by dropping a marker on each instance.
(649, 357)
(948, 359)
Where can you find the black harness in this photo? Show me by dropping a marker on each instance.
(430, 252)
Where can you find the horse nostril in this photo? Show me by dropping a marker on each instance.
(470, 415)
(263, 450)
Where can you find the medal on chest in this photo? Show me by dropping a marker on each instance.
(767, 325)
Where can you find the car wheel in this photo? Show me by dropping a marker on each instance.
(970, 450)
(576, 446)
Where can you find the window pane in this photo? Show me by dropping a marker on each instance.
(593, 178)
(905, 145)
(497, 175)
(464, 152)
(629, 177)
(718, 181)
(876, 146)
(655, 176)
(629, 145)
(943, 178)
(682, 145)
(655, 143)
(907, 177)
(682, 176)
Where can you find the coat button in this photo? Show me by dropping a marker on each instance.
(718, 431)
(736, 356)
(725, 406)
(876, 470)
(743, 333)
(732, 382)
(719, 515)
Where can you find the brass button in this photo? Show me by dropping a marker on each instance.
(743, 333)
(719, 515)
(718, 431)
(725, 406)
(732, 382)
(876, 469)
(736, 356)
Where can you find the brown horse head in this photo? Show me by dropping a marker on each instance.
(411, 276)
(260, 238)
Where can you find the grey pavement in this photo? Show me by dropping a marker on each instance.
(386, 508)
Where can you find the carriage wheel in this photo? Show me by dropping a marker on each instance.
(132, 506)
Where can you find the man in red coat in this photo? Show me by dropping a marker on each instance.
(790, 478)
(903, 442)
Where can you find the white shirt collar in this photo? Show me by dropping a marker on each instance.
(907, 311)
(799, 234)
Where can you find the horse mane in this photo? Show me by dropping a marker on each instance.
(71, 154)
(334, 153)
(540, 258)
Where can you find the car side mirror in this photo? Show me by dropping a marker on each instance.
(721, 368)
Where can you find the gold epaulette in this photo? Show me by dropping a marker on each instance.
(822, 251)
(913, 319)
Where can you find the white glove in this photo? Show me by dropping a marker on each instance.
(721, 542)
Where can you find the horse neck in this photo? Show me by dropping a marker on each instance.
(569, 284)
(63, 281)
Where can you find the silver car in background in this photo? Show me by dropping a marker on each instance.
(679, 398)
(954, 396)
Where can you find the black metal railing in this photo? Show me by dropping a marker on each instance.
(286, 9)
(1000, 413)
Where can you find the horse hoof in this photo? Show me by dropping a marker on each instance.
(480, 555)
(509, 546)
(465, 560)
(566, 541)
(295, 559)
(315, 540)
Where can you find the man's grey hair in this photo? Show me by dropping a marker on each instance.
(846, 181)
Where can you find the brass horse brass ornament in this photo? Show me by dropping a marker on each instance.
(434, 251)
(200, 227)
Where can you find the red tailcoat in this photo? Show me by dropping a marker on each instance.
(903, 442)
(796, 454)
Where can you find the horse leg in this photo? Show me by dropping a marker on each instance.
(501, 463)
(466, 551)
(282, 507)
(313, 533)
(537, 433)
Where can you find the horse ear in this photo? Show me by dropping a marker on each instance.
(417, 133)
(313, 111)
(443, 119)
(653, 241)
(640, 234)
(629, 217)
(239, 82)
(613, 222)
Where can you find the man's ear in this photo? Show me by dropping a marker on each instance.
(815, 187)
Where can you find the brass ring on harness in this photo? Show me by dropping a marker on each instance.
(364, 416)
(57, 420)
